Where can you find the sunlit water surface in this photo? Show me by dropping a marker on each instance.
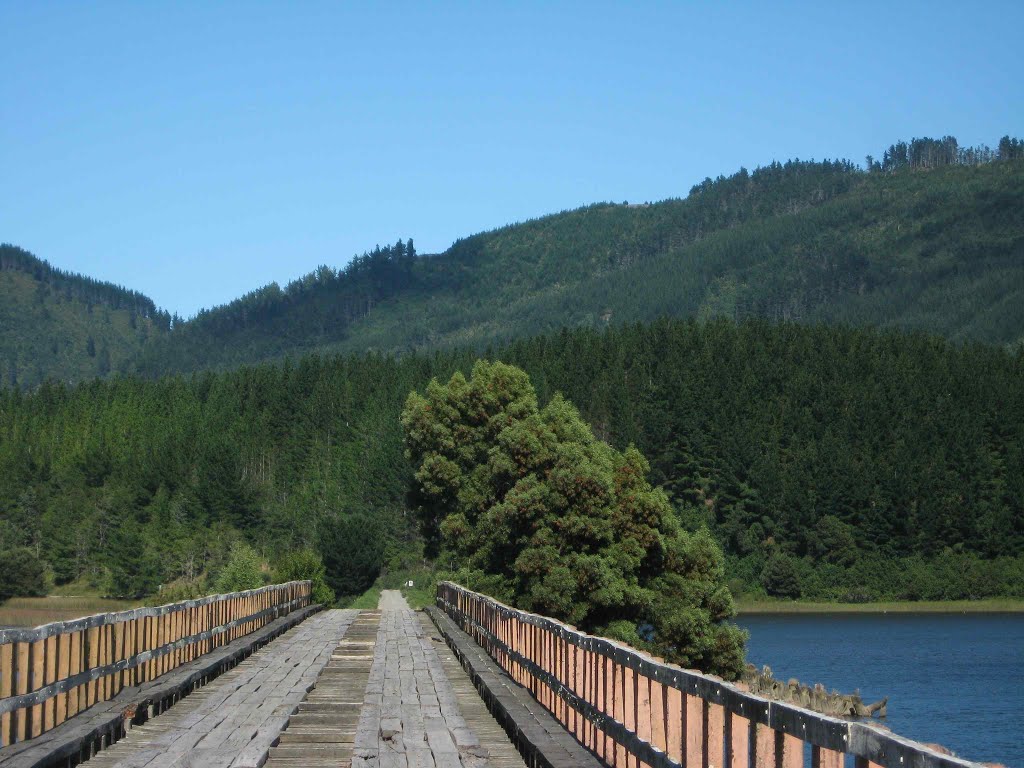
(951, 679)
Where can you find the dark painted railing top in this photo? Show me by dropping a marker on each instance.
(30, 635)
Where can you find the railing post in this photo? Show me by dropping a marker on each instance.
(129, 651)
(764, 747)
(38, 650)
(618, 710)
(791, 749)
(545, 665)
(21, 715)
(645, 714)
(737, 740)
(693, 724)
(578, 678)
(119, 654)
(714, 734)
(63, 671)
(608, 672)
(825, 758)
(6, 689)
(103, 684)
(50, 676)
(675, 713)
(74, 667)
(629, 703)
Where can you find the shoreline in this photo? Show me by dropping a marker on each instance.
(996, 605)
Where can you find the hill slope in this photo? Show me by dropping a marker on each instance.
(64, 326)
(932, 238)
(940, 250)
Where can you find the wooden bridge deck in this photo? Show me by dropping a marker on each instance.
(234, 719)
(344, 688)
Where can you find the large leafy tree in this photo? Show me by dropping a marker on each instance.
(524, 502)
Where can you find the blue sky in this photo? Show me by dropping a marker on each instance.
(195, 151)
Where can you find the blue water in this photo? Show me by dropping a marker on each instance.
(951, 679)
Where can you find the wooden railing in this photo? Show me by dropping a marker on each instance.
(51, 673)
(632, 710)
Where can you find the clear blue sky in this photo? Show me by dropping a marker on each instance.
(195, 151)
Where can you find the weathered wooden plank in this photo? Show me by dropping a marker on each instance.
(329, 714)
(533, 731)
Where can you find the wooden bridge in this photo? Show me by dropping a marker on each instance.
(265, 678)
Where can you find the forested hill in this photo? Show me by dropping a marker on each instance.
(931, 238)
(310, 313)
(55, 324)
(830, 462)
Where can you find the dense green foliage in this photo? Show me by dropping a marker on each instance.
(131, 484)
(70, 286)
(928, 153)
(848, 450)
(311, 312)
(242, 570)
(828, 462)
(355, 545)
(939, 250)
(67, 327)
(305, 565)
(528, 506)
(22, 574)
(884, 464)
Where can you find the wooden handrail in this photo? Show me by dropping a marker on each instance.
(52, 672)
(633, 710)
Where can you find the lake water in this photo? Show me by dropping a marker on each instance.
(951, 679)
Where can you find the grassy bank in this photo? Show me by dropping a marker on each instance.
(33, 611)
(995, 605)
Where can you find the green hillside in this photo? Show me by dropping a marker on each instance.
(939, 250)
(757, 341)
(915, 244)
(67, 327)
(930, 238)
(310, 313)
